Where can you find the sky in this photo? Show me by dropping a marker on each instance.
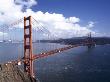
(63, 18)
(87, 10)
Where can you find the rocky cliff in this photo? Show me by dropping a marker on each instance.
(11, 73)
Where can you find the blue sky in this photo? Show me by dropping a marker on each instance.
(63, 18)
(94, 10)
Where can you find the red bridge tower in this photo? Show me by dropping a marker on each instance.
(28, 53)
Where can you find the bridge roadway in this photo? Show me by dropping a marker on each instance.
(52, 52)
(49, 53)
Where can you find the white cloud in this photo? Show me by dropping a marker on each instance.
(73, 19)
(57, 24)
(61, 26)
(26, 3)
(90, 24)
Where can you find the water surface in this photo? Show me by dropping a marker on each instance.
(75, 65)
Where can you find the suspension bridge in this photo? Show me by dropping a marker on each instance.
(29, 57)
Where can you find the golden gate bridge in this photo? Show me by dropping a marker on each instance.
(29, 56)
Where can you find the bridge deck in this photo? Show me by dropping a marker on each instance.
(52, 52)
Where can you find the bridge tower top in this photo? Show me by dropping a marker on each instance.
(89, 35)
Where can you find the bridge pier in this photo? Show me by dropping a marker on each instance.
(89, 46)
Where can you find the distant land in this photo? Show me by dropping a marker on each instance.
(77, 40)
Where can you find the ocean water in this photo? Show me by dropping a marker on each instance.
(75, 65)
